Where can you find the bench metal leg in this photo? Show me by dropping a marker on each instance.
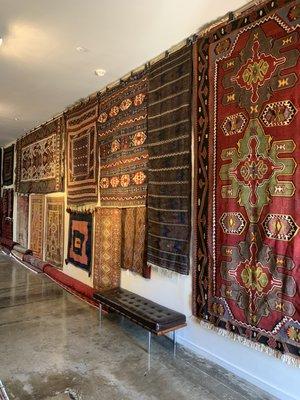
(174, 343)
(149, 350)
(100, 316)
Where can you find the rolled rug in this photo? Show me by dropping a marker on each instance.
(21, 249)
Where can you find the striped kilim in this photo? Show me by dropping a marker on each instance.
(169, 167)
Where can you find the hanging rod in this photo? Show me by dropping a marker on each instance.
(189, 40)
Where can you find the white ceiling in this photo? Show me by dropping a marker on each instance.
(41, 72)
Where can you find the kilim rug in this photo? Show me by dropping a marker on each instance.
(7, 215)
(107, 249)
(37, 215)
(169, 168)
(248, 268)
(54, 230)
(22, 220)
(82, 155)
(134, 241)
(8, 165)
(1, 215)
(122, 134)
(80, 240)
(40, 159)
(1, 152)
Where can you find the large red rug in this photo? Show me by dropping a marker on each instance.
(248, 267)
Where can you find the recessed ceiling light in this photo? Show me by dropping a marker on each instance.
(100, 72)
(81, 49)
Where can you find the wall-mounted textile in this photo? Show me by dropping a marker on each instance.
(37, 215)
(40, 159)
(82, 155)
(54, 230)
(80, 240)
(247, 276)
(169, 167)
(7, 215)
(8, 203)
(134, 241)
(1, 155)
(107, 257)
(22, 220)
(122, 134)
(8, 165)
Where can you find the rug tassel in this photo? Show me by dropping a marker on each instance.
(286, 358)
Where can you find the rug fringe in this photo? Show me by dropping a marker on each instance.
(286, 358)
(85, 209)
(164, 272)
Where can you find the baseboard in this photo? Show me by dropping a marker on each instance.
(274, 391)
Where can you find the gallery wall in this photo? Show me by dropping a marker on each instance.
(251, 359)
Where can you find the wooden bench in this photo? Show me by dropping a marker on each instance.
(151, 316)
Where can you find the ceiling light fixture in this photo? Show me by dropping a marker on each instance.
(1, 41)
(81, 49)
(17, 118)
(100, 72)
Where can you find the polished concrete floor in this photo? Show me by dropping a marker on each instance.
(51, 347)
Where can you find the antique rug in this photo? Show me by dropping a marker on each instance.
(8, 165)
(107, 250)
(22, 220)
(40, 159)
(82, 155)
(7, 216)
(37, 215)
(134, 241)
(54, 230)
(122, 135)
(247, 275)
(80, 240)
(169, 167)
(1, 153)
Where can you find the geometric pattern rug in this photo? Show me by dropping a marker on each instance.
(122, 135)
(80, 240)
(82, 155)
(107, 249)
(40, 165)
(22, 220)
(247, 274)
(54, 230)
(37, 210)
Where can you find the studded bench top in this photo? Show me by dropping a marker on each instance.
(146, 313)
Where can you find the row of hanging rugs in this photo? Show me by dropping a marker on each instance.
(129, 151)
(128, 148)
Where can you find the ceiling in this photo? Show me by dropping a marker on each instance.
(41, 70)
